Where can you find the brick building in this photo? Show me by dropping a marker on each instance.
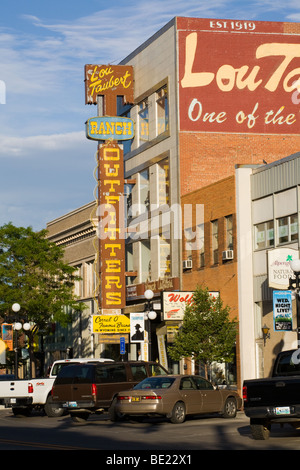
(208, 95)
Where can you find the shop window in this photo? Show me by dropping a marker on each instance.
(143, 121)
(215, 241)
(287, 229)
(264, 235)
(162, 108)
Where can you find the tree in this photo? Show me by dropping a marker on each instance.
(207, 333)
(33, 273)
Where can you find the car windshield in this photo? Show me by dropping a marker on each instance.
(154, 383)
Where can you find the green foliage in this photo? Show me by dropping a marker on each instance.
(33, 273)
(207, 333)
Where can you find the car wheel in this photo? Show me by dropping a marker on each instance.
(80, 417)
(53, 410)
(230, 408)
(178, 413)
(113, 414)
(260, 430)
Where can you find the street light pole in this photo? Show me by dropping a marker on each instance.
(15, 308)
(149, 315)
(17, 327)
(294, 286)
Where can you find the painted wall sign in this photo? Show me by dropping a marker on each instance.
(107, 127)
(110, 81)
(233, 77)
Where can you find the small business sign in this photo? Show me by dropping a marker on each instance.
(109, 81)
(279, 270)
(109, 127)
(282, 310)
(111, 324)
(122, 345)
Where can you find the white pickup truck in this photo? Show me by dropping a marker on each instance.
(24, 395)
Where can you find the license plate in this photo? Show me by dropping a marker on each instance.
(13, 400)
(135, 398)
(282, 410)
(72, 404)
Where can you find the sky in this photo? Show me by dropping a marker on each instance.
(46, 162)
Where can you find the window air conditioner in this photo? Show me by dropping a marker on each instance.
(227, 254)
(187, 264)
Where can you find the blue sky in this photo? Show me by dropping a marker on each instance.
(47, 164)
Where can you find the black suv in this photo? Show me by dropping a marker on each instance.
(84, 388)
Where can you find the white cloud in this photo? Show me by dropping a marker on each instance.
(24, 146)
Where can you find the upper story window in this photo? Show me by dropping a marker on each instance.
(229, 232)
(264, 235)
(163, 182)
(162, 110)
(144, 121)
(287, 229)
(145, 189)
(215, 241)
(200, 244)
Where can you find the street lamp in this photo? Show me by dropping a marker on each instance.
(149, 315)
(294, 286)
(17, 327)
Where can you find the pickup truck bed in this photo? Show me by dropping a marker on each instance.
(274, 399)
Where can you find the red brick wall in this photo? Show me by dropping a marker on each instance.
(219, 201)
(206, 158)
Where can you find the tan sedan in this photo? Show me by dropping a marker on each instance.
(175, 396)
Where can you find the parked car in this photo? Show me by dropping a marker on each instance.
(176, 396)
(24, 395)
(83, 389)
(274, 399)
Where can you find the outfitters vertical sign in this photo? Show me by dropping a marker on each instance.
(111, 226)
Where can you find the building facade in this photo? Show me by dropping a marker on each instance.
(209, 96)
(268, 241)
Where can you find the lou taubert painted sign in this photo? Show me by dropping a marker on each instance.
(109, 127)
(243, 82)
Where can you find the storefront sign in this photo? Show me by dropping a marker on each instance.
(111, 324)
(111, 226)
(237, 76)
(105, 128)
(175, 303)
(137, 327)
(282, 310)
(110, 81)
(279, 270)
